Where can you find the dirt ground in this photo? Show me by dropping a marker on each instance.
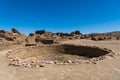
(107, 69)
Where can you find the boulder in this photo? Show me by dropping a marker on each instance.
(40, 32)
(48, 33)
(15, 31)
(63, 34)
(10, 38)
(37, 39)
(30, 39)
(15, 34)
(30, 44)
(101, 38)
(2, 35)
(113, 38)
(2, 31)
(31, 34)
(77, 32)
(95, 38)
(47, 41)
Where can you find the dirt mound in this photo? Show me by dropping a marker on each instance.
(46, 37)
(13, 36)
(41, 35)
(103, 36)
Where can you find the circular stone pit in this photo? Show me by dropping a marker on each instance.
(38, 56)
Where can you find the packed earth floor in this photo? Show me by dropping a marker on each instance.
(106, 69)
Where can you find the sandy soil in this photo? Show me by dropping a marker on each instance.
(107, 69)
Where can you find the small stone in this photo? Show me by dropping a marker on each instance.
(93, 59)
(37, 66)
(27, 65)
(51, 62)
(76, 63)
(45, 62)
(108, 57)
(69, 61)
(65, 63)
(42, 65)
(15, 63)
(59, 63)
(24, 63)
(94, 62)
(79, 61)
(9, 52)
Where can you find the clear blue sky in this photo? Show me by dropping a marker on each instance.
(60, 15)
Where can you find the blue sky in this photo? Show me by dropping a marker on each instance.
(88, 16)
